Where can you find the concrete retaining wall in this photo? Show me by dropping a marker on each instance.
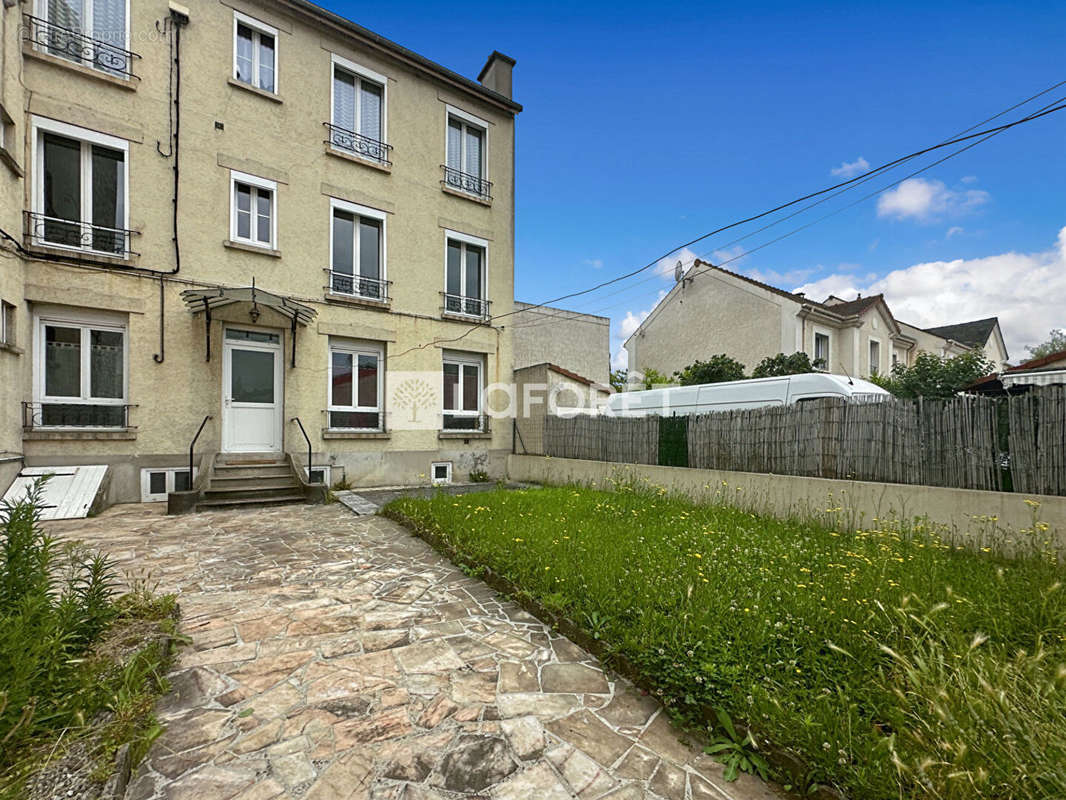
(974, 516)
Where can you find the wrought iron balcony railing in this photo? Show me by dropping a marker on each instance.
(74, 415)
(465, 306)
(359, 286)
(464, 182)
(472, 423)
(359, 145)
(66, 43)
(53, 231)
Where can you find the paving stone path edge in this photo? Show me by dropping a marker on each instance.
(781, 760)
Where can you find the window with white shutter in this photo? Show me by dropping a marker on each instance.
(357, 125)
(465, 167)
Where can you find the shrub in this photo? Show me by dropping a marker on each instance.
(935, 376)
(716, 369)
(775, 366)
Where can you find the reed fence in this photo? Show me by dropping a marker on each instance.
(966, 442)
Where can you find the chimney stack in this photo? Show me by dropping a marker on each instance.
(496, 74)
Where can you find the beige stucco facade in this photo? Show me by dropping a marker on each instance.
(578, 342)
(279, 137)
(715, 311)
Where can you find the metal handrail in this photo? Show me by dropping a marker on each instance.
(358, 144)
(192, 444)
(465, 182)
(45, 230)
(308, 440)
(67, 43)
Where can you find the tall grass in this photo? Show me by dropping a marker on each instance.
(893, 663)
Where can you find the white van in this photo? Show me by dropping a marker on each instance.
(755, 393)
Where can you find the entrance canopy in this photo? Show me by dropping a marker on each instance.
(206, 300)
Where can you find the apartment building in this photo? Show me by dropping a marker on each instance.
(256, 212)
(713, 310)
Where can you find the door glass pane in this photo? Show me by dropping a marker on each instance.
(473, 152)
(471, 387)
(369, 248)
(105, 364)
(266, 62)
(451, 387)
(62, 189)
(343, 242)
(368, 381)
(454, 283)
(65, 14)
(370, 110)
(455, 145)
(108, 198)
(109, 27)
(343, 101)
(251, 376)
(244, 53)
(244, 211)
(342, 380)
(157, 483)
(473, 271)
(241, 335)
(263, 200)
(62, 361)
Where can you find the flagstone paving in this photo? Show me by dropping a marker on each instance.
(338, 657)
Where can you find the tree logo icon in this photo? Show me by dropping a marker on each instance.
(417, 395)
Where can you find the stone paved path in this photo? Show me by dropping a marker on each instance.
(336, 656)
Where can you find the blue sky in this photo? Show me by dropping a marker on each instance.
(646, 126)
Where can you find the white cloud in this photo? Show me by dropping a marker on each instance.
(595, 263)
(849, 169)
(665, 268)
(954, 230)
(928, 200)
(1027, 291)
(625, 328)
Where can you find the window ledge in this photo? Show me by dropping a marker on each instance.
(364, 302)
(464, 434)
(78, 434)
(271, 96)
(12, 164)
(130, 84)
(79, 254)
(467, 318)
(252, 248)
(473, 198)
(340, 433)
(10, 348)
(366, 162)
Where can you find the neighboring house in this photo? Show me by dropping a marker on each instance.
(542, 389)
(981, 334)
(1049, 370)
(713, 310)
(577, 342)
(364, 191)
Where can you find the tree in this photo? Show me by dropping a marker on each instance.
(619, 380)
(774, 366)
(653, 378)
(1055, 343)
(935, 376)
(715, 370)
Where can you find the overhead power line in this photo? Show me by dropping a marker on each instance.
(1046, 111)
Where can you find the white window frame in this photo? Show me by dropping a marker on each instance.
(463, 360)
(257, 27)
(356, 348)
(827, 367)
(40, 10)
(86, 320)
(360, 73)
(146, 482)
(447, 473)
(7, 323)
(874, 368)
(359, 211)
(42, 125)
(468, 120)
(477, 241)
(254, 182)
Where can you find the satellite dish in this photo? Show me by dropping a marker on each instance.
(679, 272)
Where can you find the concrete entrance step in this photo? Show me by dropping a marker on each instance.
(238, 502)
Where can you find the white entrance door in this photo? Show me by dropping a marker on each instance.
(251, 391)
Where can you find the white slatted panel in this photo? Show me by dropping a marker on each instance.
(68, 494)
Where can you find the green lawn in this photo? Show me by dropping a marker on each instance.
(894, 665)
